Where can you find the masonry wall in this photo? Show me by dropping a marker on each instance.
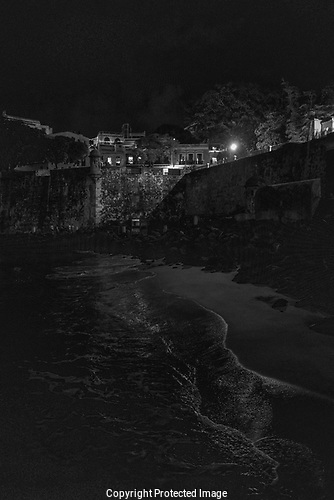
(291, 201)
(66, 200)
(72, 199)
(29, 203)
(125, 195)
(221, 189)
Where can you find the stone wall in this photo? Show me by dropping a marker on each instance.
(224, 189)
(30, 203)
(221, 189)
(125, 195)
(72, 199)
(290, 201)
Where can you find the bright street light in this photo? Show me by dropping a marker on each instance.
(233, 146)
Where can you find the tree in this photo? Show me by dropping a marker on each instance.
(61, 149)
(230, 112)
(301, 109)
(292, 119)
(327, 95)
(19, 144)
(271, 131)
(297, 113)
(155, 148)
(182, 135)
(77, 150)
(57, 149)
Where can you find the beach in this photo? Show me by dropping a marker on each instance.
(279, 346)
(225, 373)
(270, 342)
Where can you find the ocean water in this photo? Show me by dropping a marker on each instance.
(108, 383)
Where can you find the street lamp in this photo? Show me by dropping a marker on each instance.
(233, 148)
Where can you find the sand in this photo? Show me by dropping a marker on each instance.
(275, 344)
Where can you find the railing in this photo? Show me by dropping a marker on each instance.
(323, 133)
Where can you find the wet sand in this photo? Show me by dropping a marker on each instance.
(277, 345)
(272, 343)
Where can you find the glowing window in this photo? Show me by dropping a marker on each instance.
(118, 160)
(199, 158)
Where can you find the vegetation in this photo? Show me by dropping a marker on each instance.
(258, 118)
(19, 145)
(62, 149)
(23, 145)
(230, 113)
(155, 148)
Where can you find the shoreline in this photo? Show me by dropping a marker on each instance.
(274, 344)
(294, 362)
(298, 416)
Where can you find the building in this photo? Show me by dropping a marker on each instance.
(323, 127)
(29, 123)
(194, 156)
(191, 154)
(116, 149)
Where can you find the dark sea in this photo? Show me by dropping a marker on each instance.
(111, 385)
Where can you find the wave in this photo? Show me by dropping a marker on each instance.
(153, 372)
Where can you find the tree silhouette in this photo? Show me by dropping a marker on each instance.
(231, 112)
(19, 144)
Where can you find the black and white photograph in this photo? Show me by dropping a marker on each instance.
(166, 249)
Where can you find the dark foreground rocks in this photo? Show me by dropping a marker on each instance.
(295, 259)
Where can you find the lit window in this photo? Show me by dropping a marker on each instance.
(130, 160)
(199, 158)
(118, 160)
(109, 160)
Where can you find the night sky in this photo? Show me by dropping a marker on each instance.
(92, 65)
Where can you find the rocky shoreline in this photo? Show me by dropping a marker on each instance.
(295, 259)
